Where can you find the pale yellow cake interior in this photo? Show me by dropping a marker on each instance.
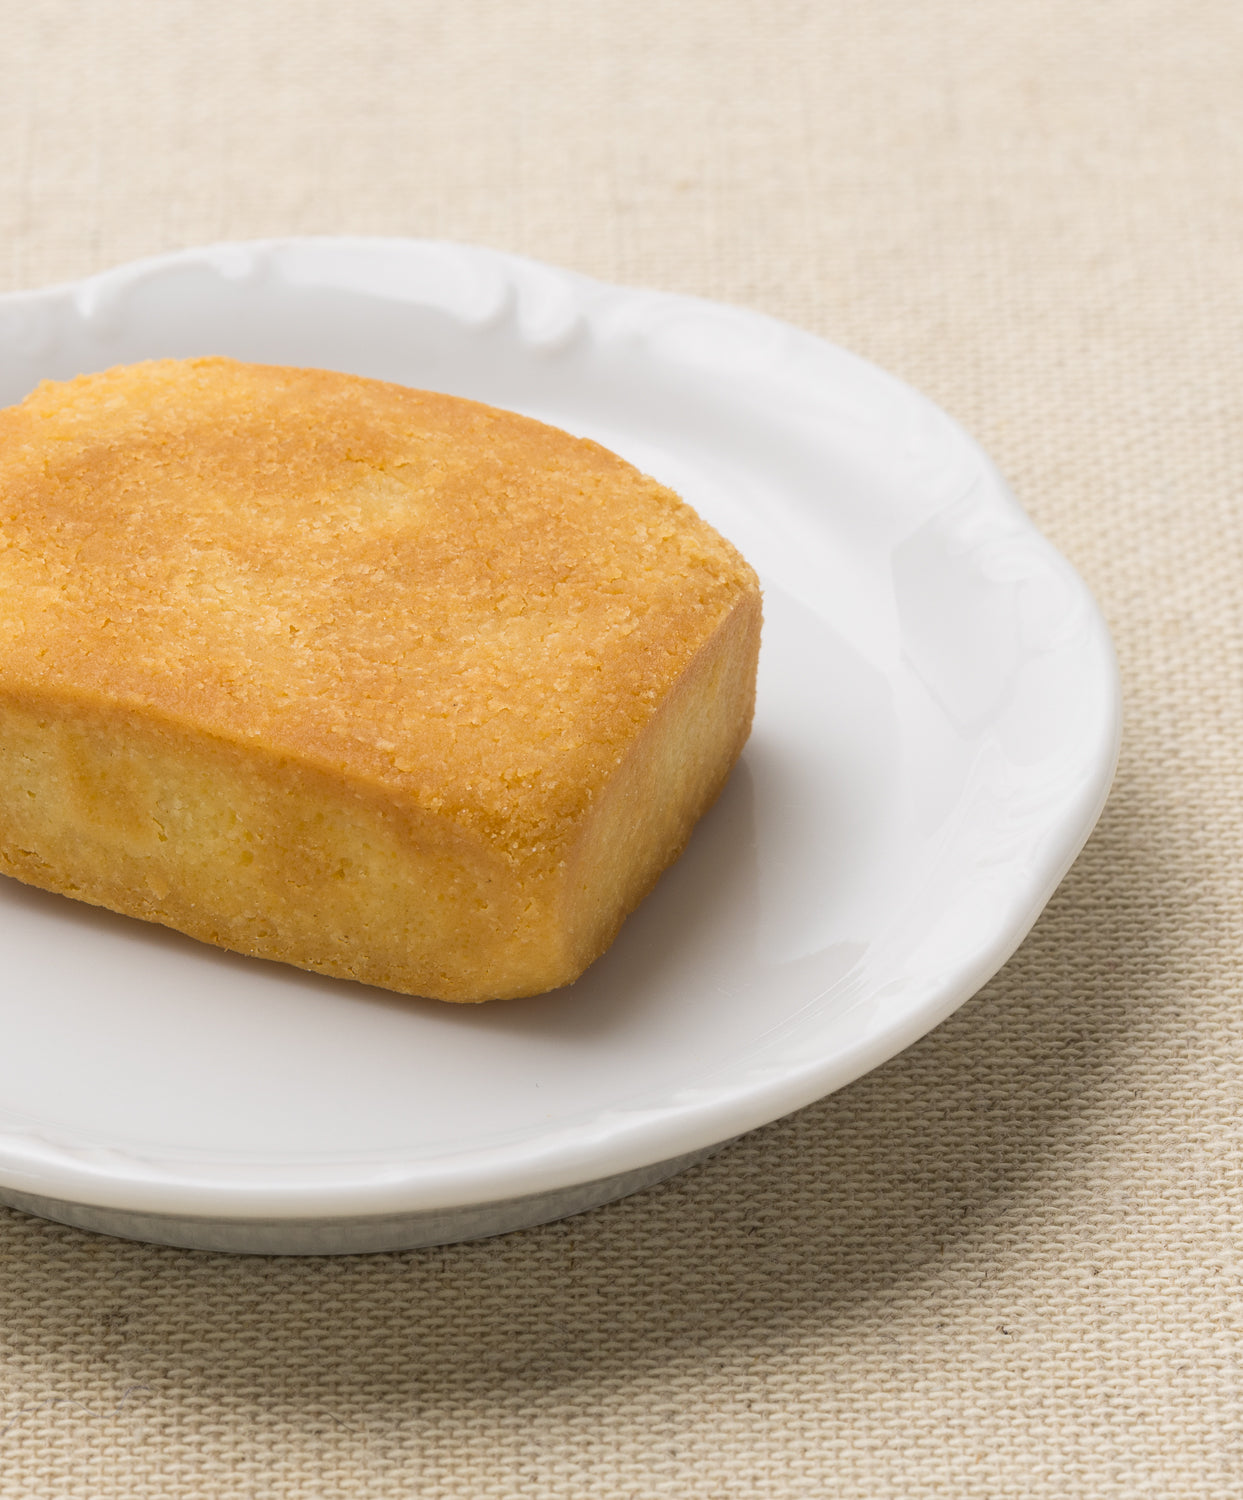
(385, 684)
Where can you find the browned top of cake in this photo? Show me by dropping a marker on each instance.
(467, 607)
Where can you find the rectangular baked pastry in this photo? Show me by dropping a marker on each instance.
(389, 685)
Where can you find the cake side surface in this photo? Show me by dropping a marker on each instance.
(456, 618)
(672, 774)
(263, 856)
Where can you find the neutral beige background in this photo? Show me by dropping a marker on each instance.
(1006, 1264)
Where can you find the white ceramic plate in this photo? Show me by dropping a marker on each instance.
(936, 732)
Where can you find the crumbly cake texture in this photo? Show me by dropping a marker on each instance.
(390, 685)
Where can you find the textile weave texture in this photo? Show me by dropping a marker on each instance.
(1007, 1263)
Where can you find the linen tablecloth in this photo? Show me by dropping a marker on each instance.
(1007, 1263)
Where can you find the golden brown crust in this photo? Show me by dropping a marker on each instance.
(464, 613)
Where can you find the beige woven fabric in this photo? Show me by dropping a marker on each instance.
(1006, 1264)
